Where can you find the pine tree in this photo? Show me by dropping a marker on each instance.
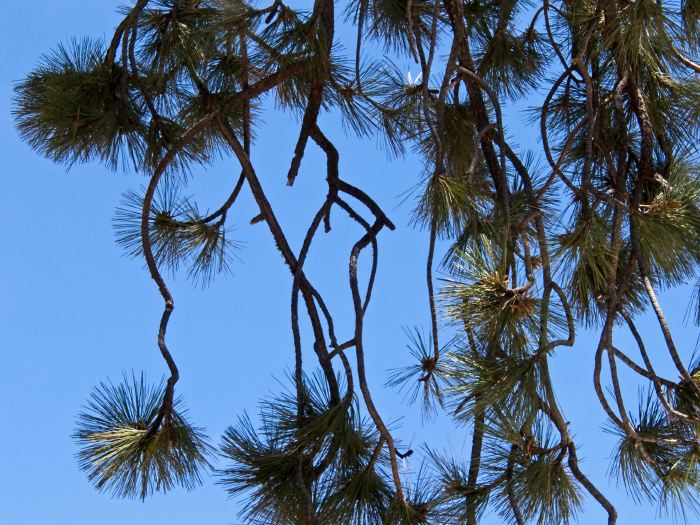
(587, 238)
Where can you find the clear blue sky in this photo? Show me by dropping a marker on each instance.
(75, 311)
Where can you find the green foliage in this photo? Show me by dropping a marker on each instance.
(545, 490)
(512, 63)
(669, 225)
(478, 382)
(585, 256)
(178, 233)
(122, 451)
(452, 478)
(425, 377)
(76, 108)
(661, 464)
(329, 446)
(482, 299)
(387, 20)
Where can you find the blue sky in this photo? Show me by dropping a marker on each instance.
(75, 311)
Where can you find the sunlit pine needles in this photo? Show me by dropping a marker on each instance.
(121, 451)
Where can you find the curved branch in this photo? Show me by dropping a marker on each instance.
(431, 302)
(512, 500)
(550, 35)
(590, 487)
(499, 122)
(287, 254)
(660, 317)
(359, 353)
(642, 371)
(686, 61)
(545, 140)
(323, 9)
(373, 243)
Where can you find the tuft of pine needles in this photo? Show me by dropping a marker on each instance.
(124, 454)
(423, 378)
(76, 108)
(179, 234)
